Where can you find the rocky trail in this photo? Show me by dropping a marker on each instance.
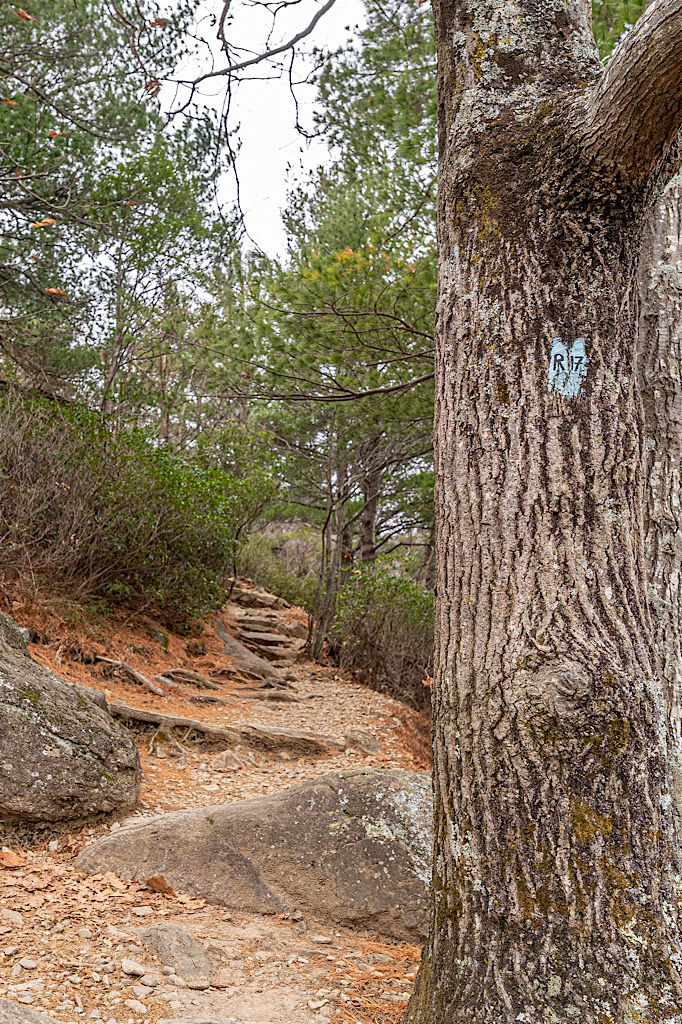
(233, 714)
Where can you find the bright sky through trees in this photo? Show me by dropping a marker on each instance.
(265, 111)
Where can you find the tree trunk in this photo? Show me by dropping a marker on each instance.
(368, 518)
(659, 359)
(556, 871)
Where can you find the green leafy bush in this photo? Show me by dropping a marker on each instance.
(384, 631)
(93, 515)
(286, 561)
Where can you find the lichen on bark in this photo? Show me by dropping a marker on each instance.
(556, 881)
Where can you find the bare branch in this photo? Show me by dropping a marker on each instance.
(267, 54)
(635, 111)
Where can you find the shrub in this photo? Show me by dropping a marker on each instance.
(96, 516)
(384, 631)
(285, 561)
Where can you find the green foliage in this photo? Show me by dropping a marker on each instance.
(285, 561)
(610, 18)
(93, 515)
(384, 630)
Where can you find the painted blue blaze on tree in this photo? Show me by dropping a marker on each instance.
(567, 368)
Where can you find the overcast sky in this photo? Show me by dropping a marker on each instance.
(270, 143)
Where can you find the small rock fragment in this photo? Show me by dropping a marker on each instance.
(53, 845)
(133, 967)
(322, 939)
(13, 916)
(363, 741)
(28, 964)
(199, 984)
(84, 933)
(143, 911)
(150, 980)
(135, 1005)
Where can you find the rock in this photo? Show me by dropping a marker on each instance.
(296, 630)
(176, 948)
(245, 661)
(13, 916)
(227, 761)
(351, 849)
(63, 756)
(254, 598)
(143, 911)
(260, 638)
(135, 1005)
(133, 967)
(28, 964)
(363, 741)
(199, 984)
(10, 1013)
(150, 980)
(84, 933)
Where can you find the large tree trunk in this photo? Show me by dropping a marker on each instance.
(659, 359)
(556, 879)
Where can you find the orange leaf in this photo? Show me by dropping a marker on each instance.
(10, 103)
(44, 223)
(153, 87)
(160, 22)
(56, 291)
(11, 860)
(53, 134)
(24, 15)
(157, 883)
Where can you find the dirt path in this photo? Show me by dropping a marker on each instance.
(64, 936)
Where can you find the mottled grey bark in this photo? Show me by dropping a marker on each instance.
(556, 875)
(659, 363)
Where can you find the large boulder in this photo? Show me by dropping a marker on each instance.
(351, 849)
(15, 1013)
(62, 756)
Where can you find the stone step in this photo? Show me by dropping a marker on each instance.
(263, 638)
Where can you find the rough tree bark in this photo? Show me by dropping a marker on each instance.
(556, 875)
(659, 371)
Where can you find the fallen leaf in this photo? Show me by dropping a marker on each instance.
(44, 223)
(11, 860)
(56, 291)
(24, 15)
(157, 883)
(10, 103)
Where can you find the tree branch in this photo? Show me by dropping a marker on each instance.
(635, 111)
(267, 54)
